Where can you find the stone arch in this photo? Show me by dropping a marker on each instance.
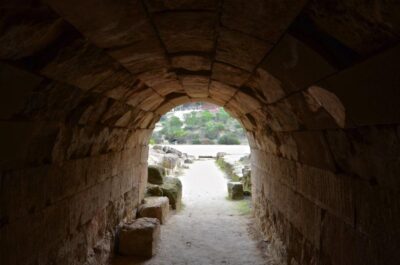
(314, 85)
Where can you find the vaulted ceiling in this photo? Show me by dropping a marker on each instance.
(152, 55)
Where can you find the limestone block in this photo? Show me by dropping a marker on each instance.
(139, 238)
(191, 62)
(186, 31)
(155, 207)
(240, 50)
(172, 188)
(221, 91)
(170, 161)
(269, 86)
(229, 75)
(261, 19)
(235, 190)
(195, 85)
(158, 6)
(153, 190)
(155, 175)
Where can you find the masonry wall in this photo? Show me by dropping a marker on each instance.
(69, 176)
(328, 195)
(317, 91)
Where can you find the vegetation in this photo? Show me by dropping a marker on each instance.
(243, 207)
(228, 139)
(227, 169)
(214, 126)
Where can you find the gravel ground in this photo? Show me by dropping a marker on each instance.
(209, 229)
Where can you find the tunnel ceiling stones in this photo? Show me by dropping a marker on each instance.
(153, 55)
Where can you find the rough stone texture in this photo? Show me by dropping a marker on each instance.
(172, 188)
(235, 190)
(155, 174)
(153, 190)
(139, 238)
(155, 207)
(314, 83)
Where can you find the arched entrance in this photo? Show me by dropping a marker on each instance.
(315, 85)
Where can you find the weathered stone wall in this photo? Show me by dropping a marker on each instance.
(315, 85)
(326, 195)
(68, 178)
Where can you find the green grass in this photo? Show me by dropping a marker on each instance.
(227, 169)
(243, 207)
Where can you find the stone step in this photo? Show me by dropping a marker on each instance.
(155, 207)
(139, 238)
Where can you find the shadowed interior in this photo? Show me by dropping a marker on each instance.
(314, 83)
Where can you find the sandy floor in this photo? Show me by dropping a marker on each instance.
(209, 230)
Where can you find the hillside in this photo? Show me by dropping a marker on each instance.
(200, 126)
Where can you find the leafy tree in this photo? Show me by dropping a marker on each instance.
(191, 120)
(213, 129)
(172, 129)
(196, 139)
(222, 116)
(201, 127)
(206, 116)
(230, 139)
(175, 122)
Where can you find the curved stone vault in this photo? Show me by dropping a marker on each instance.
(314, 83)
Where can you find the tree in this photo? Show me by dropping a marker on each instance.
(172, 129)
(206, 116)
(175, 122)
(213, 129)
(191, 120)
(228, 139)
(222, 116)
(201, 127)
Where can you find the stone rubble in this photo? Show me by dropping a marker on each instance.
(139, 238)
(155, 207)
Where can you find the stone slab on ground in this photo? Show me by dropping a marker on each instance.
(139, 238)
(235, 190)
(155, 207)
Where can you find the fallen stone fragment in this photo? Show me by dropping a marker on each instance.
(172, 188)
(139, 238)
(155, 174)
(235, 190)
(155, 207)
(153, 190)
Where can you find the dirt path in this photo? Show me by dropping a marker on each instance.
(209, 230)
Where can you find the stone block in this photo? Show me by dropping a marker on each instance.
(240, 50)
(235, 190)
(191, 62)
(155, 174)
(186, 31)
(196, 86)
(261, 19)
(155, 207)
(229, 75)
(153, 190)
(139, 238)
(172, 188)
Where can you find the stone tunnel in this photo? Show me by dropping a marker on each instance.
(315, 84)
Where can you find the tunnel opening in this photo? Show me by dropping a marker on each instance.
(199, 130)
(315, 85)
(211, 206)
